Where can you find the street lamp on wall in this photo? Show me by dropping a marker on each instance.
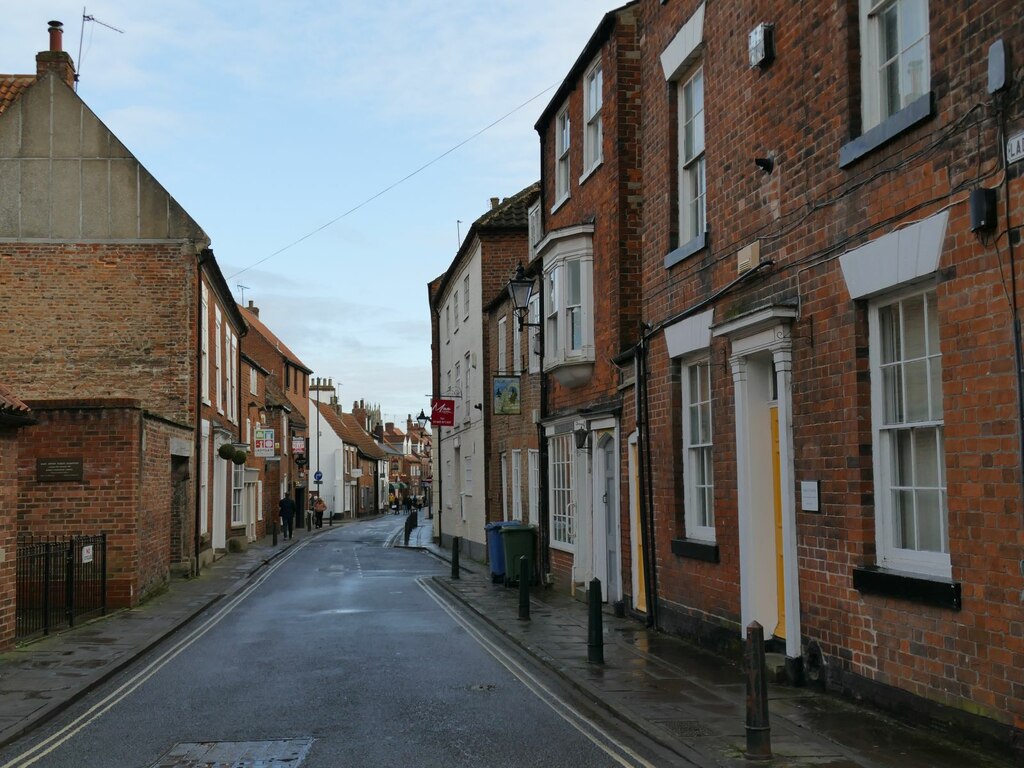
(520, 290)
(422, 419)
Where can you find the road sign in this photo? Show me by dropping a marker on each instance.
(318, 476)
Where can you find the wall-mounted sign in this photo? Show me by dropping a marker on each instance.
(1015, 148)
(810, 496)
(442, 412)
(506, 396)
(58, 470)
(263, 439)
(298, 444)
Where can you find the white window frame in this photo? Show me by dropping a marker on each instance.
(465, 296)
(204, 334)
(253, 381)
(563, 143)
(503, 464)
(467, 395)
(517, 348)
(447, 322)
(204, 477)
(533, 484)
(455, 305)
(593, 132)
(698, 477)
(460, 399)
(886, 430)
(561, 252)
(692, 175)
(502, 345)
(875, 108)
(237, 488)
(517, 484)
(532, 335)
(561, 495)
(218, 327)
(467, 486)
(232, 406)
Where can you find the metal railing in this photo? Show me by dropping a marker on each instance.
(59, 582)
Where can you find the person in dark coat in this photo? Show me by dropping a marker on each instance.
(287, 510)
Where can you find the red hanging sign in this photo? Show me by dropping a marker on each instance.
(442, 412)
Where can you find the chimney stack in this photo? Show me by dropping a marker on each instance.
(55, 59)
(253, 308)
(494, 203)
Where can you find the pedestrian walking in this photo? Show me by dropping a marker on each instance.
(319, 507)
(286, 509)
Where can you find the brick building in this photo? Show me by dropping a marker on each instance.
(106, 277)
(495, 244)
(14, 416)
(588, 259)
(287, 396)
(830, 369)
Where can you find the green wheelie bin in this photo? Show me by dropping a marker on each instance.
(519, 541)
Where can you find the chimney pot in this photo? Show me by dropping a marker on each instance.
(253, 308)
(56, 36)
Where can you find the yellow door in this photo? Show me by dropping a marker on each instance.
(640, 599)
(780, 629)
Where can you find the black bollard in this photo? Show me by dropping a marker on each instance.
(595, 630)
(455, 557)
(275, 532)
(759, 732)
(524, 588)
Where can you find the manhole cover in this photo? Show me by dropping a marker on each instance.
(282, 753)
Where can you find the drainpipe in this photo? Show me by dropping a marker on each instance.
(204, 254)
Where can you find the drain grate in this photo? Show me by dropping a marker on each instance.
(684, 729)
(282, 753)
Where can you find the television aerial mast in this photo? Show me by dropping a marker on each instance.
(81, 36)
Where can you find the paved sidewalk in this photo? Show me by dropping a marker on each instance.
(691, 701)
(39, 680)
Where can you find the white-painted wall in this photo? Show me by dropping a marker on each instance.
(462, 509)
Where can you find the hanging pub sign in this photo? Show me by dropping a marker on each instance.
(264, 442)
(298, 444)
(506, 396)
(442, 412)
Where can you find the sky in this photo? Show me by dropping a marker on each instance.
(297, 134)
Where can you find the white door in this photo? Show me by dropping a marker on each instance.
(220, 500)
(606, 519)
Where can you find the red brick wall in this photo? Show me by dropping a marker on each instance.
(126, 491)
(101, 320)
(807, 213)
(508, 433)
(8, 532)
(109, 498)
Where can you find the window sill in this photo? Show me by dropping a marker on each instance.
(914, 113)
(569, 548)
(572, 372)
(590, 171)
(686, 251)
(940, 593)
(695, 550)
(560, 202)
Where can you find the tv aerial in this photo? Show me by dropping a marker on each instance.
(81, 36)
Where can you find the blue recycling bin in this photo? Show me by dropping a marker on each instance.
(496, 548)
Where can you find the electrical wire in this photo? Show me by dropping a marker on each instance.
(391, 186)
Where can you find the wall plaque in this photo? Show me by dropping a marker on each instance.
(58, 470)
